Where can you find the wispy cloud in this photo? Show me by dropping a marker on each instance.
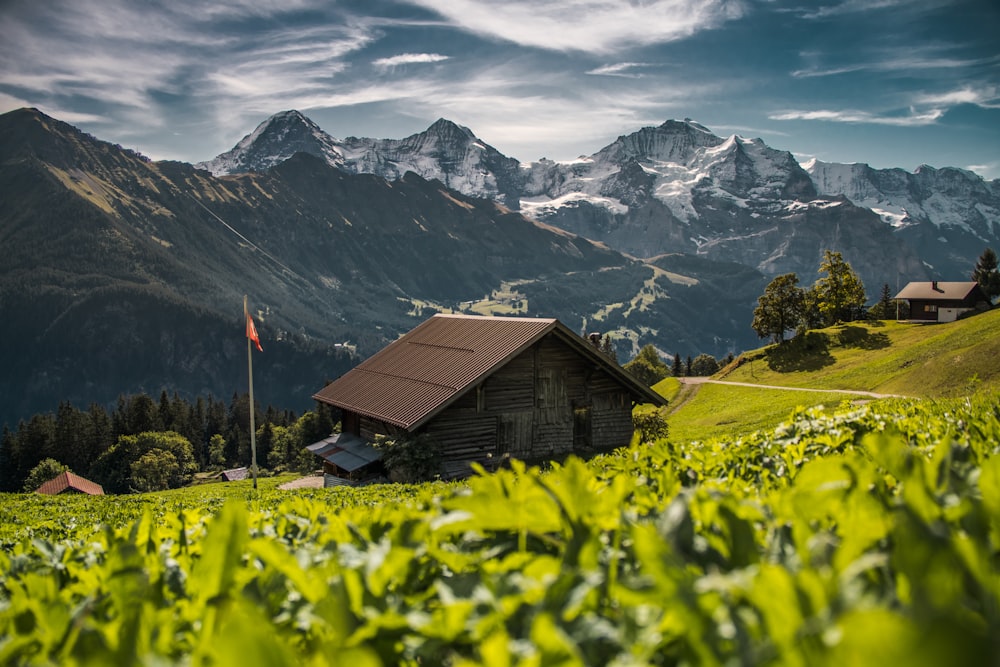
(596, 26)
(866, 6)
(625, 70)
(408, 59)
(898, 62)
(912, 119)
(987, 97)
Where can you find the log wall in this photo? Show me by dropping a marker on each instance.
(546, 403)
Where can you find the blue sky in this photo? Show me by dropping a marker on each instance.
(894, 83)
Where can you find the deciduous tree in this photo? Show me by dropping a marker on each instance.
(780, 308)
(704, 364)
(43, 472)
(114, 469)
(840, 294)
(647, 367)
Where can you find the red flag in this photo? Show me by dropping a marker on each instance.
(252, 332)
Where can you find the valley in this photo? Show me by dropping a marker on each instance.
(123, 275)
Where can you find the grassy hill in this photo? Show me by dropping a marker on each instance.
(916, 360)
(921, 360)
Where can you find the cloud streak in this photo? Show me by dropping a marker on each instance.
(596, 26)
(408, 59)
(913, 119)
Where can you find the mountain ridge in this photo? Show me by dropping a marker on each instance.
(128, 275)
(678, 187)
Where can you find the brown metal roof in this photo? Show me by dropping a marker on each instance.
(937, 290)
(66, 480)
(413, 378)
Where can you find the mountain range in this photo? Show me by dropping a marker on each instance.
(121, 274)
(678, 188)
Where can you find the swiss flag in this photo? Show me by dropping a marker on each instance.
(252, 332)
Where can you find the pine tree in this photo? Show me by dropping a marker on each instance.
(885, 309)
(986, 274)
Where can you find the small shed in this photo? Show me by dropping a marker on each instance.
(938, 301)
(235, 474)
(347, 459)
(67, 482)
(490, 388)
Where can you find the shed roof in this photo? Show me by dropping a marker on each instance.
(412, 379)
(346, 451)
(235, 474)
(937, 290)
(67, 481)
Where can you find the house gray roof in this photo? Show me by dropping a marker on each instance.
(937, 290)
(346, 451)
(412, 379)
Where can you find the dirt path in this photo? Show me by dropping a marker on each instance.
(690, 386)
(310, 482)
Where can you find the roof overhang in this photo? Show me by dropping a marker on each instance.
(346, 451)
(430, 398)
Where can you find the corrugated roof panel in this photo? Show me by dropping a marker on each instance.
(346, 451)
(431, 364)
(68, 480)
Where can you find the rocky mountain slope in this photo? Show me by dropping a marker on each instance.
(680, 188)
(122, 275)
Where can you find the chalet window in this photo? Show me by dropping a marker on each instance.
(930, 308)
(480, 398)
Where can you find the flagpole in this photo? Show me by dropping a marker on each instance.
(253, 430)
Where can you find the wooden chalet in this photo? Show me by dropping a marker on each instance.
(67, 482)
(486, 389)
(943, 301)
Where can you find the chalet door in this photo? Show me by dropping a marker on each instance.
(582, 429)
(514, 434)
(552, 398)
(553, 415)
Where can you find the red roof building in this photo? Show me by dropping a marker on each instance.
(67, 482)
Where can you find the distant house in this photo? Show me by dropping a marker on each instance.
(67, 482)
(235, 474)
(484, 389)
(943, 301)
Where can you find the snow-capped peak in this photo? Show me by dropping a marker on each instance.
(273, 141)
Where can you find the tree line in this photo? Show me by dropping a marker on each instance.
(145, 445)
(649, 367)
(839, 296)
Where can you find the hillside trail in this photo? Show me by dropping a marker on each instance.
(691, 385)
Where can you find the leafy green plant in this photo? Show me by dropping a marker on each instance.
(859, 537)
(43, 472)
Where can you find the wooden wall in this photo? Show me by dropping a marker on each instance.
(531, 409)
(528, 410)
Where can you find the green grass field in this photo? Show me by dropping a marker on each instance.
(922, 360)
(915, 360)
